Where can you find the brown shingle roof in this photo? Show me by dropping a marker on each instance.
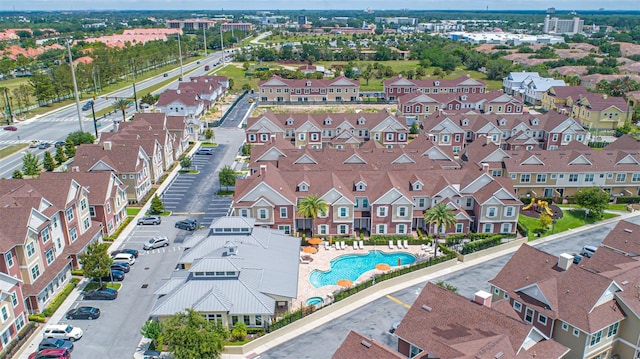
(184, 97)
(357, 346)
(624, 237)
(122, 158)
(314, 83)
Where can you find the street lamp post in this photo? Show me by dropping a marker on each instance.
(222, 44)
(204, 32)
(180, 56)
(8, 100)
(75, 85)
(95, 125)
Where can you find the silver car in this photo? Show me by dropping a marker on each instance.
(150, 220)
(156, 242)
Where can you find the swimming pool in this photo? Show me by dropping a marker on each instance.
(314, 301)
(351, 266)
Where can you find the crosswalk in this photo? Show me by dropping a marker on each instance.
(13, 142)
(64, 119)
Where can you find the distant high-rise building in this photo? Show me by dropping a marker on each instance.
(554, 25)
(302, 20)
(551, 10)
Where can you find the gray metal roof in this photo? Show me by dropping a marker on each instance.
(213, 265)
(233, 222)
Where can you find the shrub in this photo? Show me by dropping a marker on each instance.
(78, 272)
(482, 244)
(627, 199)
(57, 301)
(39, 318)
(239, 331)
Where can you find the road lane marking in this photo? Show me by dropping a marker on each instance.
(398, 301)
(186, 213)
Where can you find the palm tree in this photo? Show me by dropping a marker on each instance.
(122, 104)
(439, 215)
(311, 206)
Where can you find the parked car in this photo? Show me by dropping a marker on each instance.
(44, 145)
(102, 293)
(87, 106)
(53, 343)
(59, 143)
(121, 266)
(114, 275)
(150, 220)
(588, 251)
(576, 258)
(51, 354)
(187, 224)
(10, 128)
(89, 313)
(133, 252)
(63, 331)
(204, 151)
(124, 257)
(156, 242)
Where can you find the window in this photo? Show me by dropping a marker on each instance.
(421, 202)
(509, 211)
(541, 177)
(343, 229)
(573, 177)
(635, 177)
(542, 319)
(565, 326)
(588, 177)
(343, 212)
(554, 138)
(469, 202)
(69, 214)
(285, 229)
(323, 229)
(14, 299)
(252, 138)
(31, 249)
(5, 313)
(401, 229)
(506, 228)
(517, 305)
(86, 224)
(19, 322)
(244, 212)
(496, 291)
(49, 256)
(525, 178)
(576, 332)
(492, 211)
(596, 338)
(262, 213)
(258, 319)
(621, 177)
(6, 337)
(35, 272)
(234, 319)
(45, 235)
(92, 211)
(382, 211)
(283, 212)
(108, 207)
(83, 204)
(382, 228)
(459, 227)
(54, 222)
(488, 228)
(246, 319)
(73, 233)
(528, 315)
(496, 173)
(402, 211)
(613, 330)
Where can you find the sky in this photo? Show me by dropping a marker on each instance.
(24, 5)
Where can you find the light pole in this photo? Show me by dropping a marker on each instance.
(204, 32)
(75, 86)
(180, 53)
(95, 125)
(8, 100)
(222, 43)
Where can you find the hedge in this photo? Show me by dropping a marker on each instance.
(59, 299)
(527, 200)
(524, 231)
(15, 345)
(627, 199)
(482, 244)
(122, 226)
(40, 318)
(77, 272)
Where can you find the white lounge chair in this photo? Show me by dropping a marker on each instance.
(399, 244)
(343, 245)
(327, 246)
(361, 244)
(355, 245)
(405, 244)
(390, 244)
(424, 247)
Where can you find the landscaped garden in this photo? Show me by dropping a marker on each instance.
(571, 219)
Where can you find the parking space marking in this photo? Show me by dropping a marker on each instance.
(398, 301)
(186, 213)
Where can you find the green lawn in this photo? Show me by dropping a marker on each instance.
(612, 207)
(572, 218)
(133, 211)
(96, 285)
(208, 144)
(9, 150)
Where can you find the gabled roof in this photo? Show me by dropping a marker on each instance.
(187, 98)
(278, 81)
(121, 158)
(357, 346)
(625, 238)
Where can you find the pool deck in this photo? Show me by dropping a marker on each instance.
(322, 259)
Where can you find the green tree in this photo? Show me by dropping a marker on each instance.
(447, 286)
(80, 137)
(190, 335)
(227, 177)
(239, 331)
(69, 148)
(208, 133)
(95, 261)
(60, 157)
(151, 329)
(148, 99)
(231, 83)
(593, 199)
(122, 104)
(311, 207)
(440, 216)
(17, 174)
(497, 69)
(414, 129)
(48, 162)
(186, 162)
(157, 206)
(544, 221)
(31, 164)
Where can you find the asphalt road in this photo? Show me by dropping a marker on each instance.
(376, 318)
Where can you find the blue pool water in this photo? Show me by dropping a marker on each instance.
(314, 300)
(351, 266)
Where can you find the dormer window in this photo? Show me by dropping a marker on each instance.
(361, 187)
(361, 121)
(303, 187)
(437, 83)
(417, 186)
(503, 122)
(327, 121)
(534, 122)
(308, 83)
(465, 122)
(463, 98)
(289, 122)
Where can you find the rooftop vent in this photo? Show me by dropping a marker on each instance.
(628, 230)
(427, 308)
(624, 282)
(499, 355)
(366, 343)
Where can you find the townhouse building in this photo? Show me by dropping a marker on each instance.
(536, 86)
(107, 197)
(336, 129)
(591, 308)
(130, 163)
(209, 88)
(548, 131)
(514, 84)
(171, 131)
(399, 86)
(150, 145)
(561, 98)
(181, 103)
(418, 105)
(599, 111)
(280, 90)
(372, 189)
(12, 309)
(46, 224)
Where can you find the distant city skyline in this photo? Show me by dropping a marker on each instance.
(52, 5)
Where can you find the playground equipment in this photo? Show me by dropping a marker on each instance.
(543, 205)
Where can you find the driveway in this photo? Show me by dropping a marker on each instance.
(376, 318)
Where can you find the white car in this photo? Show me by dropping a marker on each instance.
(156, 242)
(124, 257)
(62, 331)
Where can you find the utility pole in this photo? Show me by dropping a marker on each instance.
(222, 43)
(135, 96)
(180, 53)
(204, 32)
(95, 125)
(93, 75)
(6, 96)
(75, 85)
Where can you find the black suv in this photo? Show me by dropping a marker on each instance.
(188, 224)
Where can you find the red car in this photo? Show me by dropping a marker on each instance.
(11, 128)
(51, 354)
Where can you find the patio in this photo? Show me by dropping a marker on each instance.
(322, 259)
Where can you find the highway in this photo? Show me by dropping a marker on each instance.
(56, 125)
